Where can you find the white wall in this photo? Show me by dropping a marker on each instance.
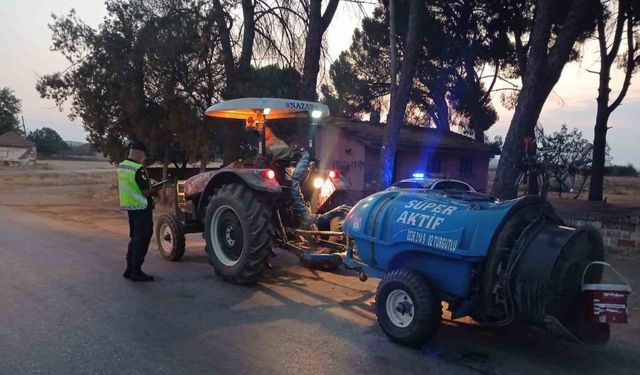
(17, 154)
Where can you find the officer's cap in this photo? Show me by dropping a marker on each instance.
(137, 145)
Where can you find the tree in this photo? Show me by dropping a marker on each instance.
(261, 21)
(563, 154)
(449, 88)
(318, 22)
(148, 72)
(400, 97)
(555, 29)
(47, 141)
(9, 111)
(153, 67)
(497, 141)
(609, 43)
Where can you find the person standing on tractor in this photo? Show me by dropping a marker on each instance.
(136, 197)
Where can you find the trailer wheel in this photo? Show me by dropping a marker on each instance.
(238, 234)
(408, 310)
(170, 237)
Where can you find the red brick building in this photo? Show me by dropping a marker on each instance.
(353, 148)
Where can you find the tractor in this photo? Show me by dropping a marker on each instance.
(276, 197)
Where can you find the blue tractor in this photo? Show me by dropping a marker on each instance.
(498, 262)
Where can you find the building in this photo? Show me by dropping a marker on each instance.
(16, 149)
(353, 148)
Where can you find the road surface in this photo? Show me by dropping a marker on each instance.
(65, 309)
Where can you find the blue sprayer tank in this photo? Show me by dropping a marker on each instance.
(496, 261)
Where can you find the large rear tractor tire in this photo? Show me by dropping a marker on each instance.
(238, 233)
(408, 309)
(170, 237)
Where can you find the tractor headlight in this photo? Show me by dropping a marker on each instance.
(318, 182)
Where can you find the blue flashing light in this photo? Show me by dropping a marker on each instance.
(418, 175)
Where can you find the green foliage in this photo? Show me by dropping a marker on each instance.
(563, 155)
(497, 141)
(458, 39)
(274, 82)
(148, 72)
(621, 170)
(9, 111)
(562, 148)
(47, 141)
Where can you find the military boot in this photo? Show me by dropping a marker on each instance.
(138, 275)
(127, 271)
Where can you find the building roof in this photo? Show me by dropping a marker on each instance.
(13, 139)
(412, 137)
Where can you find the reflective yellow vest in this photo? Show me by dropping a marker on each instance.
(131, 196)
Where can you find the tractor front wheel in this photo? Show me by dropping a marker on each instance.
(407, 307)
(238, 233)
(170, 237)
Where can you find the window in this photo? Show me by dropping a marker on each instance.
(452, 185)
(466, 165)
(434, 164)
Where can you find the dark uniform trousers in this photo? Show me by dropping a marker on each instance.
(140, 233)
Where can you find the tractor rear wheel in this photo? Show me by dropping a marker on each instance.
(238, 233)
(170, 237)
(408, 309)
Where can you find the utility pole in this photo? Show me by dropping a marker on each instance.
(24, 128)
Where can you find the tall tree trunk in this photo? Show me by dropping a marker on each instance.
(400, 100)
(439, 98)
(607, 58)
(393, 50)
(478, 133)
(165, 173)
(523, 124)
(248, 36)
(318, 24)
(543, 69)
(219, 15)
(206, 156)
(236, 77)
(203, 165)
(602, 115)
(596, 190)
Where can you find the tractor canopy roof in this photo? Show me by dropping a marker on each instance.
(270, 108)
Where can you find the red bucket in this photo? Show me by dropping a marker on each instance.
(606, 303)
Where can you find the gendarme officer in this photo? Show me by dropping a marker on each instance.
(136, 197)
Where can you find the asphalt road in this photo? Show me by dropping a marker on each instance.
(65, 309)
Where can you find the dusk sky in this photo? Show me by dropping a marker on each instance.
(25, 41)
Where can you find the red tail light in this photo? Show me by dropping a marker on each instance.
(269, 174)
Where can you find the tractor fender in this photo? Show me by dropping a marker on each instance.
(254, 179)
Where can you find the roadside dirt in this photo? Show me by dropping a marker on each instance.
(69, 191)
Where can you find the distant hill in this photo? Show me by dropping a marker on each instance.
(74, 143)
(79, 151)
